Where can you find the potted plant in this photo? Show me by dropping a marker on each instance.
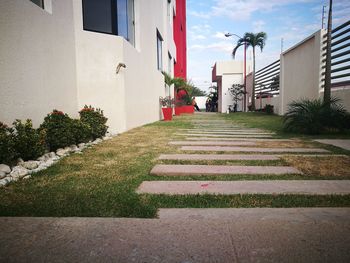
(167, 109)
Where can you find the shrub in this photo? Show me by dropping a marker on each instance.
(95, 119)
(269, 109)
(29, 143)
(7, 150)
(314, 116)
(82, 132)
(58, 128)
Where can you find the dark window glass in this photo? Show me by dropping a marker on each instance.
(122, 18)
(159, 52)
(38, 3)
(98, 16)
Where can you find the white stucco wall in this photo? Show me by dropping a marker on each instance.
(342, 93)
(300, 71)
(37, 60)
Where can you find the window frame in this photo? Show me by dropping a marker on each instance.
(42, 5)
(159, 51)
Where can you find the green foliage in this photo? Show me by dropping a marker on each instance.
(58, 128)
(194, 92)
(95, 119)
(315, 116)
(82, 132)
(29, 143)
(269, 109)
(7, 150)
(237, 92)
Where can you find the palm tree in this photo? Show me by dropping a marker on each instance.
(253, 40)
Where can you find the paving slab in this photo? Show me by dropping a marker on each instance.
(259, 235)
(344, 143)
(239, 139)
(211, 143)
(250, 149)
(220, 130)
(298, 187)
(190, 170)
(232, 132)
(225, 135)
(205, 157)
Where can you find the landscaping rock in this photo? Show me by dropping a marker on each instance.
(2, 175)
(98, 140)
(5, 168)
(27, 177)
(74, 148)
(3, 182)
(52, 154)
(18, 172)
(81, 145)
(61, 152)
(30, 165)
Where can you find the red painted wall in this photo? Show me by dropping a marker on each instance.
(180, 67)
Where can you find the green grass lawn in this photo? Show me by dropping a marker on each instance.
(102, 181)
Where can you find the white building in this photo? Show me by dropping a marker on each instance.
(63, 54)
(225, 74)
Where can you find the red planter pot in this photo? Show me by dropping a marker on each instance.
(189, 109)
(167, 113)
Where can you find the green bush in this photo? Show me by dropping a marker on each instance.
(314, 117)
(95, 119)
(29, 143)
(7, 150)
(82, 132)
(58, 128)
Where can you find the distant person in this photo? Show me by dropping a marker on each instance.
(207, 105)
(194, 104)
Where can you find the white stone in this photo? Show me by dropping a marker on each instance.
(52, 154)
(73, 148)
(98, 140)
(67, 149)
(30, 165)
(5, 168)
(40, 168)
(2, 174)
(81, 145)
(18, 172)
(3, 182)
(27, 177)
(61, 152)
(20, 160)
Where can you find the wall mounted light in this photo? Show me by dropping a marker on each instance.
(120, 65)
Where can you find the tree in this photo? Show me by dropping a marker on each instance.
(237, 91)
(327, 77)
(251, 40)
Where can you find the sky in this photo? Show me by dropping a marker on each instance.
(209, 20)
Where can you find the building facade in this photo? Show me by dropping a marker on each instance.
(63, 54)
(180, 39)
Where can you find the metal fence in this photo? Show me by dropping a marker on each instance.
(267, 80)
(340, 56)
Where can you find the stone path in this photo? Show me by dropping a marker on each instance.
(250, 149)
(305, 187)
(345, 144)
(181, 170)
(218, 136)
(218, 157)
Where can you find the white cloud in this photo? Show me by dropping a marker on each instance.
(222, 46)
(258, 26)
(220, 35)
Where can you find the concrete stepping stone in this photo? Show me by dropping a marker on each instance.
(211, 143)
(299, 187)
(232, 132)
(345, 143)
(294, 214)
(249, 149)
(179, 170)
(240, 139)
(225, 135)
(220, 130)
(206, 157)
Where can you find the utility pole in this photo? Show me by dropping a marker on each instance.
(327, 77)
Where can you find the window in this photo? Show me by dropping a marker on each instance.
(169, 63)
(38, 3)
(110, 16)
(159, 51)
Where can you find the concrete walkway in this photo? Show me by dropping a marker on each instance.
(191, 236)
(251, 149)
